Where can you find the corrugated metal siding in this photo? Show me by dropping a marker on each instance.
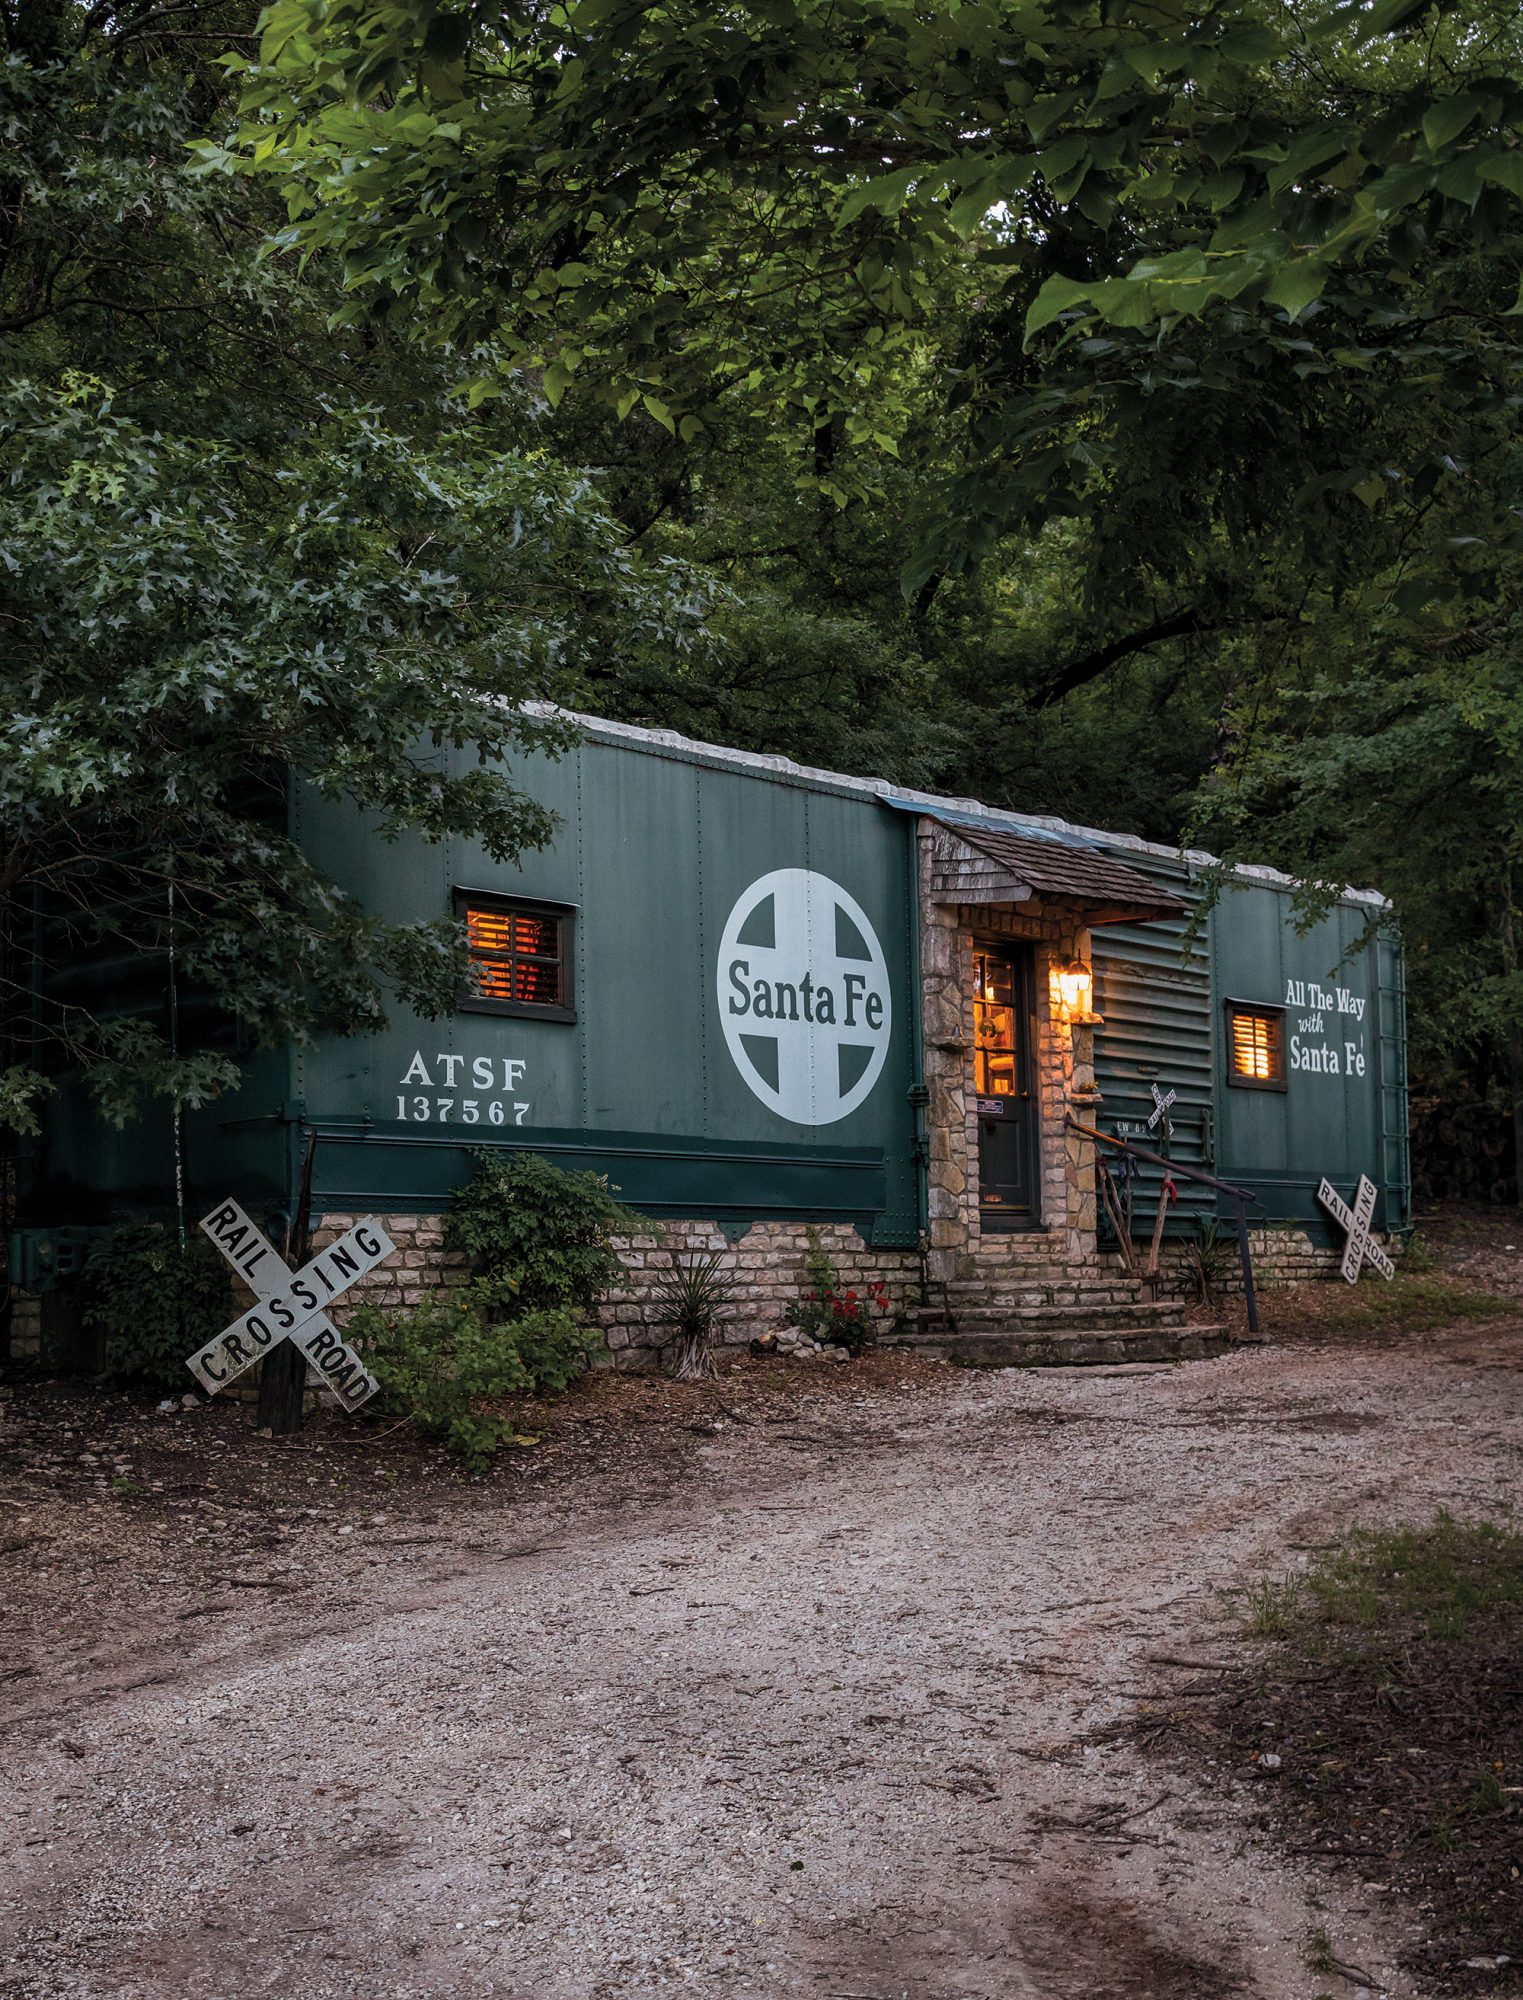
(1153, 989)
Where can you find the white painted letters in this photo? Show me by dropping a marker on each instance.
(804, 996)
(443, 1072)
(1311, 1054)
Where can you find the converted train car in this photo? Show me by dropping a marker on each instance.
(764, 999)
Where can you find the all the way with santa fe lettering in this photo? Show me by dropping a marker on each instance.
(292, 1304)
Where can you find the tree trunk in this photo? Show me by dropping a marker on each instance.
(1514, 1032)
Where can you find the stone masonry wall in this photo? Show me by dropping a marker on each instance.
(26, 1326)
(766, 1265)
(961, 1252)
(1282, 1255)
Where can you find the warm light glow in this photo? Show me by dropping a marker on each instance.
(1076, 989)
(515, 955)
(1256, 1046)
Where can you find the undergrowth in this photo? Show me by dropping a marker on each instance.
(1383, 1727)
(540, 1244)
(1412, 1301)
(1431, 1581)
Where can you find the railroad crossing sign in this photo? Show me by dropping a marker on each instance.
(292, 1304)
(1362, 1247)
(1160, 1113)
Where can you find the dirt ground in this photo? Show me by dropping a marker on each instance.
(806, 1683)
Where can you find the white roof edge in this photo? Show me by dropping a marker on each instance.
(880, 788)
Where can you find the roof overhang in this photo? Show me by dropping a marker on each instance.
(995, 866)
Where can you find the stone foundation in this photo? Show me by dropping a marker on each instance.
(1282, 1256)
(26, 1326)
(766, 1266)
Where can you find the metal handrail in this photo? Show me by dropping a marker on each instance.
(1238, 1196)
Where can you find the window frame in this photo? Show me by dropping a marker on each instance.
(563, 1009)
(1263, 1009)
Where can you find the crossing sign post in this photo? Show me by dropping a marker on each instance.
(1361, 1247)
(1162, 1105)
(291, 1305)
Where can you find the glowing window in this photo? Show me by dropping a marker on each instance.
(1255, 1046)
(994, 1026)
(519, 960)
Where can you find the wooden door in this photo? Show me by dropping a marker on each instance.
(1003, 1079)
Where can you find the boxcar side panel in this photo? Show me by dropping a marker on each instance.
(1328, 1112)
(657, 862)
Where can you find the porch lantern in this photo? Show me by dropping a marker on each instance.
(1076, 990)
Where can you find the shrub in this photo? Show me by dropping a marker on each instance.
(445, 1362)
(540, 1245)
(842, 1315)
(538, 1233)
(154, 1302)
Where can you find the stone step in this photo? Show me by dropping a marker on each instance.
(1092, 1348)
(1063, 1319)
(1039, 1298)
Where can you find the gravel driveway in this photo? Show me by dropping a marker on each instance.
(817, 1706)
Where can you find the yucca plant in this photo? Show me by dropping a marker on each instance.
(692, 1300)
(1208, 1258)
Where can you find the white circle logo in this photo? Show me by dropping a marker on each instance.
(804, 996)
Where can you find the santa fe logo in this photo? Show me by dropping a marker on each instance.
(291, 1304)
(804, 996)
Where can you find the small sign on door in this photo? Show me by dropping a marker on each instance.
(991, 1107)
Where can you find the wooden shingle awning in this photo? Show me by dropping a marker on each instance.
(996, 864)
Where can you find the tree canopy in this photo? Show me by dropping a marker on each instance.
(1100, 409)
(234, 545)
(1129, 392)
(1098, 221)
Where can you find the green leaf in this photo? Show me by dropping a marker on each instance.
(1296, 285)
(1381, 19)
(1305, 154)
(656, 408)
(971, 206)
(447, 37)
(886, 193)
(1445, 122)
(1044, 114)
(1460, 181)
(1503, 169)
(1060, 159)
(1251, 44)
(1057, 296)
(1221, 190)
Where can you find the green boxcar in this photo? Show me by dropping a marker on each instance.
(635, 1077)
(709, 908)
